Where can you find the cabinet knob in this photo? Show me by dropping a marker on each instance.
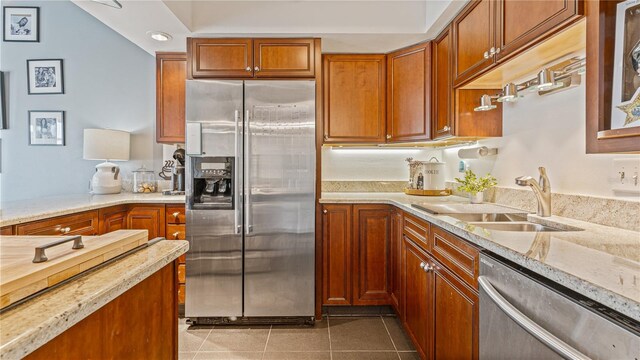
(486, 54)
(497, 50)
(388, 136)
(427, 268)
(492, 51)
(176, 234)
(248, 68)
(422, 265)
(324, 211)
(65, 230)
(256, 68)
(446, 128)
(176, 214)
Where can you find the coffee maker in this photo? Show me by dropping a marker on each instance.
(177, 173)
(212, 186)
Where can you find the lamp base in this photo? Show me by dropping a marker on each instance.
(106, 180)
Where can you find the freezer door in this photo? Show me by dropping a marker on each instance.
(280, 196)
(214, 259)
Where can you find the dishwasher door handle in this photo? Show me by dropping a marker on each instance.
(560, 347)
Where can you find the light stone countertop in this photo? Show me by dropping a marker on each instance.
(32, 324)
(601, 262)
(17, 212)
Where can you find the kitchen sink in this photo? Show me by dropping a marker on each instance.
(489, 217)
(516, 226)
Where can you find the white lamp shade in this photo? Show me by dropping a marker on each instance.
(104, 144)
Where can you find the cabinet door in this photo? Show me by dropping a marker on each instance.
(147, 217)
(408, 93)
(6, 230)
(85, 223)
(455, 317)
(473, 38)
(171, 76)
(284, 58)
(112, 218)
(395, 261)
(418, 298)
(523, 23)
(336, 254)
(372, 234)
(354, 98)
(442, 87)
(220, 58)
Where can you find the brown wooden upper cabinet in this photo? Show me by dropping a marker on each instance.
(487, 32)
(171, 75)
(286, 58)
(220, 58)
(442, 124)
(248, 58)
(409, 94)
(354, 98)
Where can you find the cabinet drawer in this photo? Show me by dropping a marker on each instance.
(182, 274)
(456, 254)
(416, 230)
(175, 214)
(176, 232)
(85, 223)
(181, 293)
(6, 230)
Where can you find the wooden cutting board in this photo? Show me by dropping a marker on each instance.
(20, 277)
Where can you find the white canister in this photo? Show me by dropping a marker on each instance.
(429, 175)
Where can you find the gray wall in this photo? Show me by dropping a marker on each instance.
(109, 83)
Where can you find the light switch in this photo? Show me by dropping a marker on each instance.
(626, 175)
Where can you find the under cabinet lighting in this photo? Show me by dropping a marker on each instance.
(561, 76)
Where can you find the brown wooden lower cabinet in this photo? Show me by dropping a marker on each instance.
(371, 234)
(336, 254)
(418, 304)
(141, 323)
(149, 217)
(112, 218)
(395, 261)
(84, 223)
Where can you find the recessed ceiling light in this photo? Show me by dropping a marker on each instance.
(159, 35)
(109, 3)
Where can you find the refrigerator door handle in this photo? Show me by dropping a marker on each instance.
(247, 174)
(238, 186)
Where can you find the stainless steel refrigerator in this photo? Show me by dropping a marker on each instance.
(250, 209)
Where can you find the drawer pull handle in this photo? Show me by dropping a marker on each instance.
(65, 230)
(40, 256)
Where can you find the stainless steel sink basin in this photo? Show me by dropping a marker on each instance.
(489, 217)
(516, 226)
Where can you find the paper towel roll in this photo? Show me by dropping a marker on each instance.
(475, 153)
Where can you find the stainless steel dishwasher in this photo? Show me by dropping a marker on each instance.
(523, 316)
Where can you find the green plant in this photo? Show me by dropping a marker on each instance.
(473, 185)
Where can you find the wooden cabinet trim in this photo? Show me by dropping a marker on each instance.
(176, 92)
(380, 122)
(395, 261)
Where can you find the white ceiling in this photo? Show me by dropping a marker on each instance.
(344, 26)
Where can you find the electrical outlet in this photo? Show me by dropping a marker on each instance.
(626, 175)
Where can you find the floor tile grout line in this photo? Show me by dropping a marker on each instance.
(264, 351)
(329, 333)
(205, 340)
(390, 337)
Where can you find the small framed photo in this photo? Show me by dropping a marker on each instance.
(21, 23)
(46, 128)
(45, 76)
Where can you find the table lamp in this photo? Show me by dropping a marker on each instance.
(108, 145)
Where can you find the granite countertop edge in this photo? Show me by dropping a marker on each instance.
(595, 292)
(84, 203)
(43, 329)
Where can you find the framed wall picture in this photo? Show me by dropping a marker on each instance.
(625, 111)
(46, 128)
(21, 23)
(44, 76)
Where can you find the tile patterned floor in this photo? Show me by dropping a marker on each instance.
(334, 338)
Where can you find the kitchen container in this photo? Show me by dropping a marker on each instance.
(144, 181)
(426, 178)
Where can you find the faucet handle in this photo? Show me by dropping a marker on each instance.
(544, 180)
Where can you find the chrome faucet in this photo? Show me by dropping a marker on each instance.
(542, 194)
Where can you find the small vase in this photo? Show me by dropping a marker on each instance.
(476, 198)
